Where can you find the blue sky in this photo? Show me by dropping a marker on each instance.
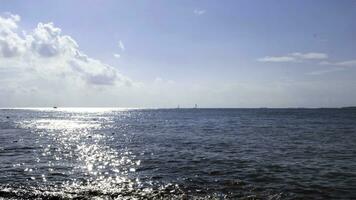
(217, 54)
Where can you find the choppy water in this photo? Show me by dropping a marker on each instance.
(82, 153)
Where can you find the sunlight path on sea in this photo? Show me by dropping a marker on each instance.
(75, 151)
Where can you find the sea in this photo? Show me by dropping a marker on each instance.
(120, 153)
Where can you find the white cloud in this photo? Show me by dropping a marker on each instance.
(326, 71)
(10, 43)
(121, 45)
(47, 41)
(309, 56)
(277, 59)
(199, 12)
(46, 54)
(347, 63)
(122, 48)
(8, 23)
(338, 66)
(161, 81)
(294, 57)
(158, 80)
(44, 67)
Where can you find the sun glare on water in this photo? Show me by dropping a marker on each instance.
(78, 143)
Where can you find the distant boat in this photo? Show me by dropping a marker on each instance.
(196, 106)
(55, 107)
(178, 107)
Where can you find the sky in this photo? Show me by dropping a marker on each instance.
(153, 54)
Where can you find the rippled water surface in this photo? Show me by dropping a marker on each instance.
(103, 153)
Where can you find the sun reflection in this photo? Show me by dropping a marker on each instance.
(77, 145)
(64, 125)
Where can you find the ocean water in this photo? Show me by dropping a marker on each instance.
(104, 153)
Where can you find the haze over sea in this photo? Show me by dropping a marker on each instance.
(112, 153)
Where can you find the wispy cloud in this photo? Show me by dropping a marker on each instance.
(326, 71)
(347, 63)
(294, 57)
(122, 48)
(199, 12)
(309, 56)
(277, 59)
(338, 66)
(121, 45)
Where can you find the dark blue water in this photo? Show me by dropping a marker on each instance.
(178, 154)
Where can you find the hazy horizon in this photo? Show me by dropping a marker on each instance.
(59, 108)
(161, 54)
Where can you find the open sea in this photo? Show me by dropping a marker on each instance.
(112, 153)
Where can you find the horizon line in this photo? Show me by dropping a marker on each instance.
(148, 108)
